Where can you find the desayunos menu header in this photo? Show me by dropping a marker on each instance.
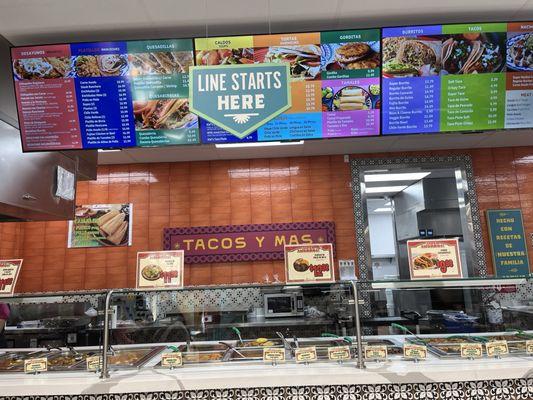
(462, 77)
(104, 95)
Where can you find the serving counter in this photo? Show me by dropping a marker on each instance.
(505, 378)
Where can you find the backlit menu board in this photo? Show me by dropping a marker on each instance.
(461, 77)
(335, 82)
(104, 95)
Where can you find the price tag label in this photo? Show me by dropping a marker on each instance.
(171, 360)
(93, 363)
(378, 353)
(497, 348)
(339, 353)
(34, 365)
(471, 350)
(415, 351)
(305, 354)
(529, 346)
(273, 354)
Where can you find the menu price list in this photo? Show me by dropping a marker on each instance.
(48, 114)
(412, 105)
(105, 114)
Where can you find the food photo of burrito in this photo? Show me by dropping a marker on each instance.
(100, 225)
(408, 57)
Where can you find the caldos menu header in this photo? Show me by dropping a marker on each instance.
(240, 98)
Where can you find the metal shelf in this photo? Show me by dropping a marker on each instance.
(449, 283)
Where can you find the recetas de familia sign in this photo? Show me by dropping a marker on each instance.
(239, 98)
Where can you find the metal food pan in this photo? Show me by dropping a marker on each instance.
(132, 358)
(252, 343)
(14, 361)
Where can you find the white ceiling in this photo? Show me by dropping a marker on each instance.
(26, 22)
(46, 21)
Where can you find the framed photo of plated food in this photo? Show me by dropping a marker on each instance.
(434, 259)
(101, 225)
(160, 269)
(309, 263)
(9, 273)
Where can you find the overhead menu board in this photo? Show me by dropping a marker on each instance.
(335, 82)
(104, 95)
(465, 77)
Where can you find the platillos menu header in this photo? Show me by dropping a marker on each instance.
(104, 95)
(463, 77)
(334, 78)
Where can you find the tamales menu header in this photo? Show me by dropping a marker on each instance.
(436, 78)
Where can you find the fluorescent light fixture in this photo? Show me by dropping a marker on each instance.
(383, 209)
(256, 144)
(108, 150)
(385, 189)
(388, 203)
(408, 176)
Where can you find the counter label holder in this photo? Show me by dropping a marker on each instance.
(471, 350)
(305, 355)
(339, 353)
(529, 347)
(171, 360)
(497, 348)
(35, 365)
(415, 352)
(93, 363)
(273, 355)
(376, 353)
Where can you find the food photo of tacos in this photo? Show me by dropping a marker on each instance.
(163, 114)
(472, 53)
(425, 261)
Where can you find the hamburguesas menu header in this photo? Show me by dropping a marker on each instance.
(440, 78)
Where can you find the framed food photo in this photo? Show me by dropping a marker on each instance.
(434, 259)
(309, 263)
(160, 269)
(101, 225)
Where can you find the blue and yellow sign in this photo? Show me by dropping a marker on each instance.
(239, 98)
(508, 243)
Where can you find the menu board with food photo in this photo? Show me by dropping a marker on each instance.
(434, 259)
(334, 76)
(101, 225)
(9, 273)
(160, 269)
(308, 263)
(104, 95)
(462, 77)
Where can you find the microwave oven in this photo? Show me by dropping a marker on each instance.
(283, 305)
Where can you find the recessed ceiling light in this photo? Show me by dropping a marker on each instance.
(385, 189)
(409, 176)
(256, 144)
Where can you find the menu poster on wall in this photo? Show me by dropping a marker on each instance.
(508, 243)
(308, 263)
(463, 77)
(101, 225)
(9, 273)
(160, 269)
(335, 82)
(434, 259)
(104, 95)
